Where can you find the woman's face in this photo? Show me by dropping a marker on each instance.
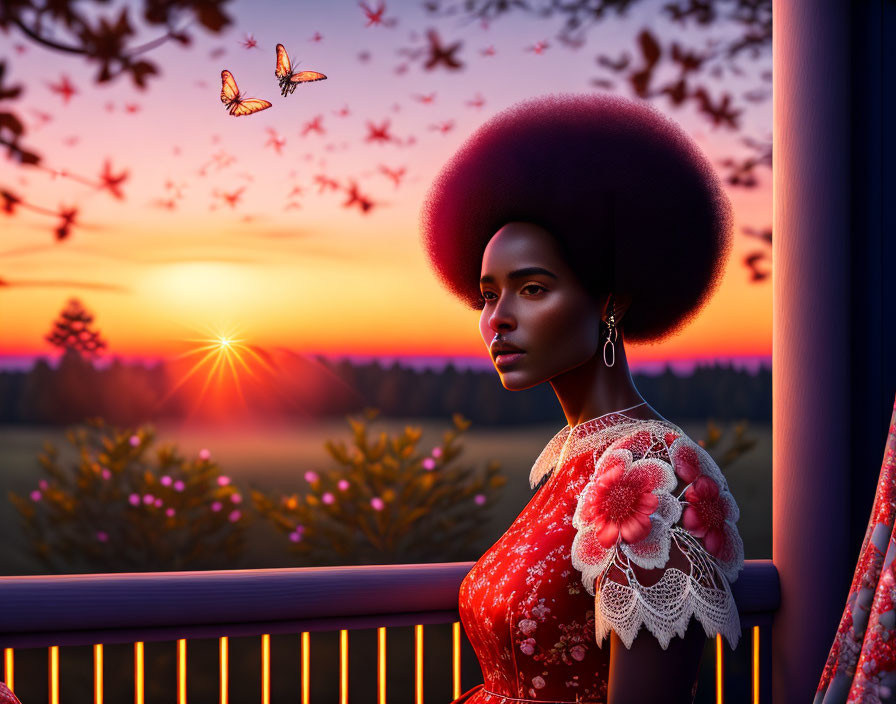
(537, 305)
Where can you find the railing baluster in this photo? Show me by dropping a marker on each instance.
(455, 658)
(306, 667)
(8, 674)
(381, 665)
(138, 672)
(720, 681)
(418, 664)
(223, 667)
(343, 666)
(54, 674)
(182, 671)
(755, 668)
(266, 668)
(98, 673)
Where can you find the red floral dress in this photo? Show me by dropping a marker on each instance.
(593, 551)
(861, 665)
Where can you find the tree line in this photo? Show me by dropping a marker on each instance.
(130, 393)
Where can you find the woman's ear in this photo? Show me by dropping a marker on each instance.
(621, 303)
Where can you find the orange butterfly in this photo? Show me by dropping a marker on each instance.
(287, 75)
(235, 104)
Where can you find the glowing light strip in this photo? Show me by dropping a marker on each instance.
(222, 657)
(181, 671)
(719, 681)
(418, 664)
(138, 672)
(54, 674)
(455, 658)
(381, 665)
(8, 669)
(266, 669)
(306, 668)
(755, 664)
(98, 673)
(343, 666)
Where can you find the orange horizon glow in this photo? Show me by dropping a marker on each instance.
(321, 277)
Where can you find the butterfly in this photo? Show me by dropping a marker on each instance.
(287, 75)
(235, 104)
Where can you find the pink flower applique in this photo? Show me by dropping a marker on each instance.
(711, 511)
(626, 505)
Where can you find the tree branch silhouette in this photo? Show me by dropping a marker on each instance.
(106, 39)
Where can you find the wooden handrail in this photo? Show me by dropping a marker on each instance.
(37, 611)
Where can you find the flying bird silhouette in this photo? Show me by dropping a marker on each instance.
(64, 88)
(355, 198)
(751, 260)
(374, 15)
(378, 134)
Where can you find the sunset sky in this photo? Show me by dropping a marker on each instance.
(313, 276)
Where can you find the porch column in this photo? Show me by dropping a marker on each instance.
(834, 339)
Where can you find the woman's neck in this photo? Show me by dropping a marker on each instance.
(593, 389)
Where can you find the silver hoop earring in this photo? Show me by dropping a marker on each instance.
(611, 335)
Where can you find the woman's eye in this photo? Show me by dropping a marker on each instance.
(487, 296)
(533, 288)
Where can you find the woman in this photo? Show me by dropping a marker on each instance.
(574, 223)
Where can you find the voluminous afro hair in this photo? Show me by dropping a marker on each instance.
(632, 201)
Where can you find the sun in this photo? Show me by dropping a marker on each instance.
(222, 358)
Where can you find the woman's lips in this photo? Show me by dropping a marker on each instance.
(507, 359)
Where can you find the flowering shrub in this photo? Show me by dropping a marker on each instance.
(384, 501)
(123, 505)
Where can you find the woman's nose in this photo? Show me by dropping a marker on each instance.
(502, 317)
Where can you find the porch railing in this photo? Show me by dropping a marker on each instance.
(98, 609)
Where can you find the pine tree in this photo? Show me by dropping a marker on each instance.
(71, 330)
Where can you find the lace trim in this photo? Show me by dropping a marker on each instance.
(666, 607)
(587, 437)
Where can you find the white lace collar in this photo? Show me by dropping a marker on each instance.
(588, 435)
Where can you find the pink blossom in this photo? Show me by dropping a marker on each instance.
(169, 512)
(148, 498)
(35, 495)
(343, 484)
(234, 516)
(377, 503)
(102, 536)
(479, 499)
(528, 646)
(178, 485)
(165, 480)
(134, 499)
(538, 682)
(620, 503)
(295, 537)
(705, 515)
(310, 477)
(134, 440)
(216, 506)
(327, 498)
(685, 460)
(106, 473)
(527, 626)
(158, 503)
(429, 463)
(236, 498)
(43, 484)
(437, 452)
(223, 480)
(577, 652)
(204, 454)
